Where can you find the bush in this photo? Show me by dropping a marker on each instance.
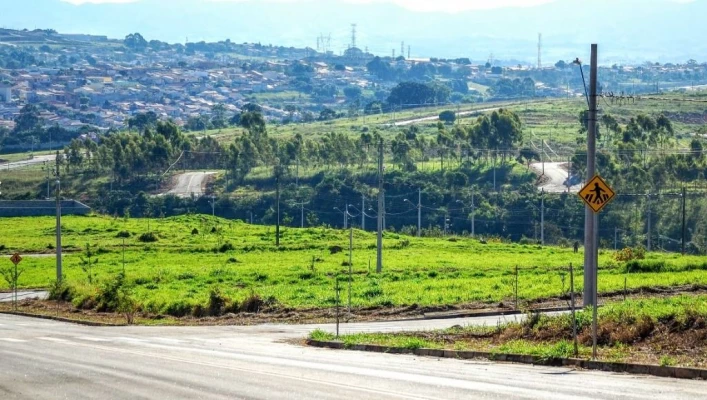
(60, 291)
(148, 237)
(2, 247)
(217, 302)
(194, 232)
(123, 234)
(335, 249)
(179, 308)
(252, 304)
(108, 297)
(645, 266)
(228, 246)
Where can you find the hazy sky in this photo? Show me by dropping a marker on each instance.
(417, 5)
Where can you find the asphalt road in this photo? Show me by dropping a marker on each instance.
(190, 183)
(49, 360)
(435, 118)
(556, 173)
(27, 163)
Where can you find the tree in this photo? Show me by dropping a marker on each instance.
(410, 94)
(496, 70)
(381, 69)
(135, 41)
(448, 116)
(561, 64)
(252, 107)
(28, 120)
(218, 116)
(252, 120)
(327, 114)
(353, 92)
(374, 107)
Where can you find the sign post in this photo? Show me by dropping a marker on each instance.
(596, 194)
(16, 258)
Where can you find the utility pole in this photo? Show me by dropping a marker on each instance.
(616, 237)
(346, 216)
(379, 239)
(363, 212)
(277, 225)
(301, 215)
(473, 215)
(494, 170)
(542, 154)
(684, 204)
(350, 258)
(542, 217)
(419, 212)
(213, 206)
(58, 220)
(590, 219)
(648, 222)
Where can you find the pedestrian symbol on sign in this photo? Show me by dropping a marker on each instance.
(597, 194)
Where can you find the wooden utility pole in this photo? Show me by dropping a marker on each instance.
(277, 224)
(684, 206)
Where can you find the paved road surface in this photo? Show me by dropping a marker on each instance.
(48, 360)
(26, 163)
(23, 294)
(190, 183)
(434, 118)
(556, 172)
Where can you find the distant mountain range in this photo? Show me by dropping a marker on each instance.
(626, 30)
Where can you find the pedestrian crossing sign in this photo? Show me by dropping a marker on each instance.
(597, 194)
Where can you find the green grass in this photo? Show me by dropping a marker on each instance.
(647, 330)
(180, 268)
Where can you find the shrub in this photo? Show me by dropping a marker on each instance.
(108, 297)
(148, 237)
(335, 249)
(194, 231)
(179, 308)
(2, 247)
(228, 246)
(217, 302)
(645, 266)
(60, 291)
(123, 234)
(252, 304)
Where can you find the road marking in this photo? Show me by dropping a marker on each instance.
(251, 371)
(11, 340)
(53, 339)
(92, 339)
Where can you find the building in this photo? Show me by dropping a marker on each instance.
(5, 93)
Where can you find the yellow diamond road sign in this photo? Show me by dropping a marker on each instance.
(16, 258)
(597, 194)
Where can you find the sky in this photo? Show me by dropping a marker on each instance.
(416, 5)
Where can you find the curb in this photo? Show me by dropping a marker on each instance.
(492, 313)
(629, 368)
(60, 319)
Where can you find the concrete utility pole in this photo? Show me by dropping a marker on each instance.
(363, 212)
(58, 221)
(590, 218)
(346, 216)
(419, 212)
(648, 222)
(381, 210)
(542, 154)
(350, 259)
(684, 204)
(473, 215)
(542, 217)
(277, 225)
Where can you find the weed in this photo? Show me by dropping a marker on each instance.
(148, 237)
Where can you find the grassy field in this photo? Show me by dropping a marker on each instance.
(177, 273)
(666, 331)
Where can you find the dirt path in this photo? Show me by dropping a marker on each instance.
(27, 163)
(555, 178)
(190, 183)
